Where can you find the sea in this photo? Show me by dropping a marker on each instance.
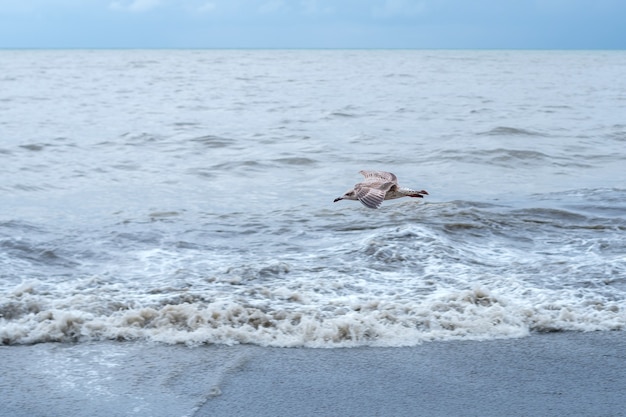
(186, 196)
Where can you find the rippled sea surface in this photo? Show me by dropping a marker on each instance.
(187, 196)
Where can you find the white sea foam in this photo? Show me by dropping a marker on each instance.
(401, 320)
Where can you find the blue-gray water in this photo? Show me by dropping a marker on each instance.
(187, 196)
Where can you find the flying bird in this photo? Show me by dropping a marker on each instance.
(378, 186)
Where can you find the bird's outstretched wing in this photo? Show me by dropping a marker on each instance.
(371, 195)
(379, 175)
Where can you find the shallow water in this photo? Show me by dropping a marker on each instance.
(186, 196)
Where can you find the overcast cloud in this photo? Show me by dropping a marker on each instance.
(544, 24)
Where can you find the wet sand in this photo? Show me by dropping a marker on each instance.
(574, 374)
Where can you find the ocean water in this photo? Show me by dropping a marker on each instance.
(186, 196)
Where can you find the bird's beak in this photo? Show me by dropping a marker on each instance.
(337, 199)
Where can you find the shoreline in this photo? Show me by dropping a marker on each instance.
(569, 373)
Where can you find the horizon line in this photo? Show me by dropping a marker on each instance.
(244, 48)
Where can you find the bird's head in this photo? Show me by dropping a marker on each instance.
(349, 195)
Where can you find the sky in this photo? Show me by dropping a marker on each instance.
(430, 24)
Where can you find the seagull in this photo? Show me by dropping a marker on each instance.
(378, 186)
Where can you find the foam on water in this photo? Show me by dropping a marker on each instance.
(344, 320)
(460, 276)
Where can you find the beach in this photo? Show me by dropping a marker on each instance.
(553, 374)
